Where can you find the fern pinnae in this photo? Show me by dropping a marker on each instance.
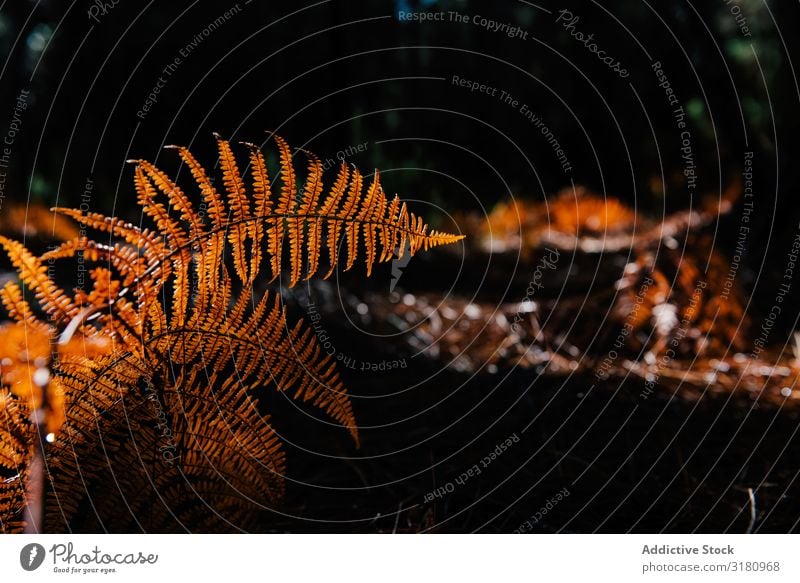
(151, 245)
(239, 208)
(315, 224)
(33, 274)
(126, 260)
(175, 234)
(312, 188)
(177, 198)
(310, 206)
(146, 196)
(328, 209)
(262, 197)
(288, 196)
(16, 306)
(348, 210)
(366, 216)
(276, 231)
(287, 201)
(296, 224)
(215, 206)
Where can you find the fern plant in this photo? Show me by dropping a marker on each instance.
(170, 346)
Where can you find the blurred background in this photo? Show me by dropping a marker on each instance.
(88, 85)
(329, 75)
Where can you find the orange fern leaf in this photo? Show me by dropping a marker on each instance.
(169, 330)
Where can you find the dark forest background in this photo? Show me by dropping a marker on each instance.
(332, 74)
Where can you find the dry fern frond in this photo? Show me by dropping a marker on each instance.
(578, 219)
(582, 214)
(366, 220)
(163, 359)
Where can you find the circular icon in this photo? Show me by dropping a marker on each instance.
(31, 556)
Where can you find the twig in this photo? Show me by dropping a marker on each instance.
(397, 518)
(752, 497)
(34, 490)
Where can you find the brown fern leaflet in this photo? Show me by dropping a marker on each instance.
(161, 362)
